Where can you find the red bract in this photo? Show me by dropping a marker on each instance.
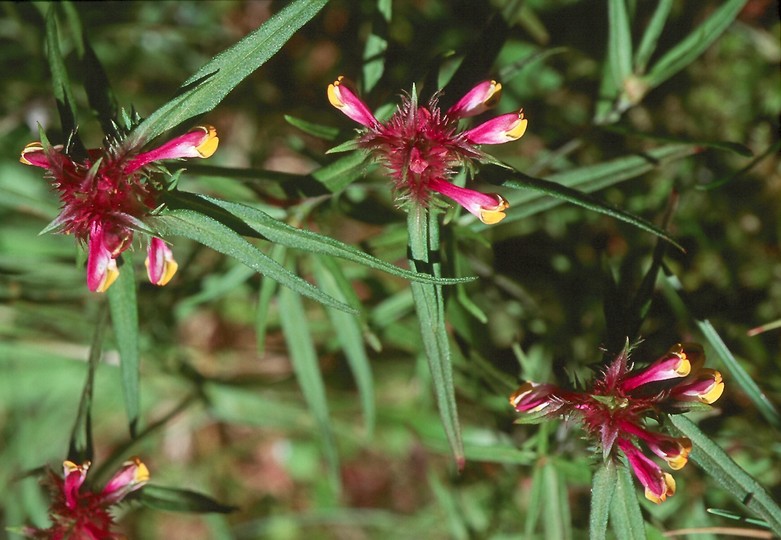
(79, 514)
(615, 409)
(422, 147)
(106, 197)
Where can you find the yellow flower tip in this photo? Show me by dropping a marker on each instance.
(678, 462)
(112, 273)
(170, 266)
(209, 145)
(518, 395)
(669, 482)
(495, 214)
(715, 390)
(494, 94)
(333, 93)
(141, 473)
(30, 148)
(684, 367)
(519, 129)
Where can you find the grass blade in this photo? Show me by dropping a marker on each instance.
(349, 333)
(619, 44)
(307, 369)
(693, 45)
(728, 474)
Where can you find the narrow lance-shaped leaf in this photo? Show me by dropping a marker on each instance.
(736, 371)
(210, 84)
(522, 181)
(66, 104)
(124, 320)
(651, 35)
(728, 474)
(603, 487)
(423, 230)
(80, 447)
(180, 500)
(685, 52)
(282, 233)
(625, 515)
(217, 236)
(619, 42)
(376, 44)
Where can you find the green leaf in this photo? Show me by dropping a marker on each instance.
(266, 293)
(738, 148)
(771, 150)
(307, 369)
(423, 230)
(217, 236)
(180, 500)
(619, 44)
(63, 94)
(124, 321)
(80, 448)
(625, 515)
(209, 85)
(735, 370)
(557, 522)
(602, 489)
(522, 181)
(651, 35)
(376, 45)
(281, 233)
(341, 173)
(728, 474)
(587, 179)
(328, 133)
(349, 333)
(691, 47)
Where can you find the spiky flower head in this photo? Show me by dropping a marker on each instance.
(422, 147)
(106, 195)
(615, 410)
(77, 513)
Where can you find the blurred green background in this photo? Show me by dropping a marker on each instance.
(247, 438)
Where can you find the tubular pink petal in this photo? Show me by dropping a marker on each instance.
(707, 387)
(199, 142)
(133, 475)
(342, 96)
(532, 397)
(160, 263)
(658, 484)
(488, 208)
(674, 365)
(73, 478)
(478, 100)
(674, 450)
(502, 129)
(33, 154)
(102, 268)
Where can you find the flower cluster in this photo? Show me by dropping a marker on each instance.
(81, 514)
(106, 196)
(422, 147)
(615, 410)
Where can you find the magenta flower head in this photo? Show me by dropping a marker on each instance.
(106, 197)
(77, 513)
(614, 411)
(422, 147)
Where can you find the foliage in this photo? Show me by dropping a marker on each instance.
(322, 363)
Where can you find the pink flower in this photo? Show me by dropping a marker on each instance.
(422, 147)
(106, 197)
(615, 409)
(77, 513)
